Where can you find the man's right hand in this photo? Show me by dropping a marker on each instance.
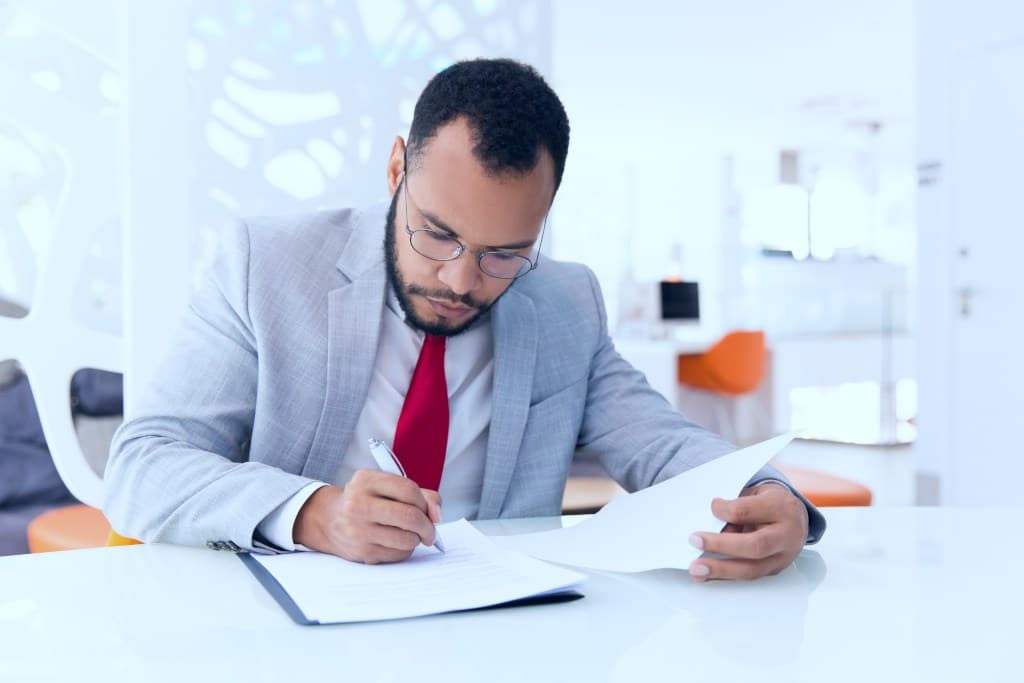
(377, 517)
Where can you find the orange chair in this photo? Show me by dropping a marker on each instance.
(735, 365)
(114, 538)
(70, 528)
(714, 387)
(826, 490)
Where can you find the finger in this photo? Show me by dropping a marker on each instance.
(393, 538)
(404, 517)
(707, 568)
(378, 554)
(761, 509)
(433, 505)
(763, 542)
(392, 486)
(788, 508)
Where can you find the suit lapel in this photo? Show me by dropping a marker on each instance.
(514, 324)
(354, 317)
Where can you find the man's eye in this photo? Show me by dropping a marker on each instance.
(439, 236)
(503, 256)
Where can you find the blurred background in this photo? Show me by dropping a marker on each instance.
(803, 214)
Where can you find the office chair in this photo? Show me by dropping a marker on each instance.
(737, 365)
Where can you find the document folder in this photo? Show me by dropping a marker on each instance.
(474, 573)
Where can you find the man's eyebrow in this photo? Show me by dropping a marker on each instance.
(447, 228)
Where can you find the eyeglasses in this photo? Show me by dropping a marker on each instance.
(438, 246)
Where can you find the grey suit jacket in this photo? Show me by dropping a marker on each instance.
(267, 376)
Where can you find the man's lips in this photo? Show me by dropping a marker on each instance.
(449, 311)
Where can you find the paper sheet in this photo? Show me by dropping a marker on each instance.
(650, 529)
(473, 572)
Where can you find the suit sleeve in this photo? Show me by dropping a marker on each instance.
(639, 437)
(178, 470)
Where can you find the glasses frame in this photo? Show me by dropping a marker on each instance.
(462, 248)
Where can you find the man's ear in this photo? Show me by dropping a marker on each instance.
(396, 165)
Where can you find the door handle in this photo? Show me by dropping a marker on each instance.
(966, 294)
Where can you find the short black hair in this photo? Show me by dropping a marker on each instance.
(509, 107)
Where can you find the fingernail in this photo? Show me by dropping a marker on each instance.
(699, 570)
(697, 542)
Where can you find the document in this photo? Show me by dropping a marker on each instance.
(650, 529)
(473, 572)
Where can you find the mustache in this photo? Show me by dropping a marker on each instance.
(445, 295)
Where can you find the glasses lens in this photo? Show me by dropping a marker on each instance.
(503, 265)
(434, 245)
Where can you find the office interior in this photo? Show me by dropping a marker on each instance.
(835, 181)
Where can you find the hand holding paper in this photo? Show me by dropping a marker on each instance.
(650, 529)
(767, 527)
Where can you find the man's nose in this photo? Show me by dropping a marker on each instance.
(461, 275)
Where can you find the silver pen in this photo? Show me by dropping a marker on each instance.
(388, 462)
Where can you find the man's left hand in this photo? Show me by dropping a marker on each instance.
(765, 529)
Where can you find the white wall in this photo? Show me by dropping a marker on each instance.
(663, 96)
(162, 121)
(950, 33)
(678, 111)
(276, 108)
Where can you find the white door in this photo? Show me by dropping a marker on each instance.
(987, 363)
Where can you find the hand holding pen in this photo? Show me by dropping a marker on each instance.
(388, 462)
(376, 517)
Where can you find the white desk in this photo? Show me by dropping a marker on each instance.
(923, 594)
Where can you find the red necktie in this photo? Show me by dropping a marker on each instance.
(421, 437)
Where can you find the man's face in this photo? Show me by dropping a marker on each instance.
(450, 192)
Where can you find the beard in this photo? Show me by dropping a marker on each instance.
(405, 291)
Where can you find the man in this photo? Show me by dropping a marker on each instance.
(434, 327)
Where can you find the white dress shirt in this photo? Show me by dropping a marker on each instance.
(469, 372)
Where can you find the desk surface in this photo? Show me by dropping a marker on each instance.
(899, 594)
